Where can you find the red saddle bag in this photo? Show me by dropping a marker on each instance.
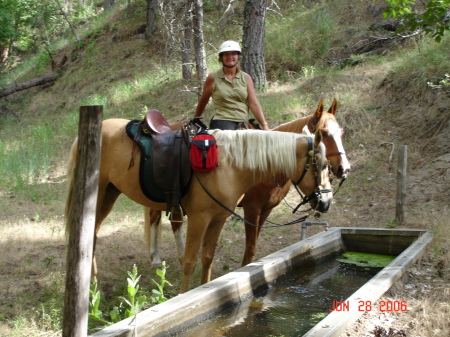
(204, 153)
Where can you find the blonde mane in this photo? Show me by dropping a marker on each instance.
(256, 149)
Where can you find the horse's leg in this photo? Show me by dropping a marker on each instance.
(177, 223)
(251, 214)
(258, 204)
(107, 196)
(152, 230)
(194, 236)
(209, 248)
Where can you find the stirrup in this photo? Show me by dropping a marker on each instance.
(176, 210)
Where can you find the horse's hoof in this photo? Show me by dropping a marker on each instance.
(156, 262)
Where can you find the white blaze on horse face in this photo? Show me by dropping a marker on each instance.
(335, 132)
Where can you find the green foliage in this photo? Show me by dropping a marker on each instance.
(391, 223)
(158, 294)
(134, 303)
(29, 24)
(94, 304)
(130, 305)
(7, 31)
(433, 20)
(423, 65)
(442, 84)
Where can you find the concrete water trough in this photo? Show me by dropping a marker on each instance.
(203, 302)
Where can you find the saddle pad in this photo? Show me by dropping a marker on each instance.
(148, 184)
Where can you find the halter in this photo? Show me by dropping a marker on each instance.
(312, 162)
(335, 154)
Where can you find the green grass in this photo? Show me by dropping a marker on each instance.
(427, 62)
(28, 158)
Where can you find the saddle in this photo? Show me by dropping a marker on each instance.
(165, 164)
(154, 123)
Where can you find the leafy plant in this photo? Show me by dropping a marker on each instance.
(130, 305)
(135, 303)
(391, 224)
(94, 304)
(158, 294)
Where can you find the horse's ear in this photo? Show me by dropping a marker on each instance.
(317, 138)
(333, 107)
(319, 110)
(306, 131)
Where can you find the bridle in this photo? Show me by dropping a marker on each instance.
(311, 162)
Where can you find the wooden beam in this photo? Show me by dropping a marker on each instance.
(401, 184)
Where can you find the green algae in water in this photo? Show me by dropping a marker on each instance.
(367, 259)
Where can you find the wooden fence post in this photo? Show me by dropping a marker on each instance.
(80, 246)
(401, 184)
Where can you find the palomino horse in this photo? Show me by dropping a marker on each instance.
(259, 201)
(240, 167)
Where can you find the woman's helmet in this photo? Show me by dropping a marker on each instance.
(229, 46)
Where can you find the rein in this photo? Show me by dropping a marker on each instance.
(316, 194)
(241, 218)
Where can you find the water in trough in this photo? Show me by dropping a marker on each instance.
(292, 306)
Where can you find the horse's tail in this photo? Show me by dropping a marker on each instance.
(70, 185)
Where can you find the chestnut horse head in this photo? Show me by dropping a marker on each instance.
(326, 123)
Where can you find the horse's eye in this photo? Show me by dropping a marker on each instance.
(325, 133)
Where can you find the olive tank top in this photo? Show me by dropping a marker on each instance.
(230, 98)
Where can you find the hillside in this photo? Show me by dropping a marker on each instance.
(384, 101)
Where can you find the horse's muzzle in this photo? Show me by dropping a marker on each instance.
(323, 203)
(341, 173)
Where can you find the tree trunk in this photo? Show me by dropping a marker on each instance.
(199, 43)
(4, 53)
(29, 84)
(253, 42)
(186, 43)
(151, 18)
(108, 4)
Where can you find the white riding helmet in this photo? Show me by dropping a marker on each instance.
(229, 46)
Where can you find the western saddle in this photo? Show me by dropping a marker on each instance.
(170, 157)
